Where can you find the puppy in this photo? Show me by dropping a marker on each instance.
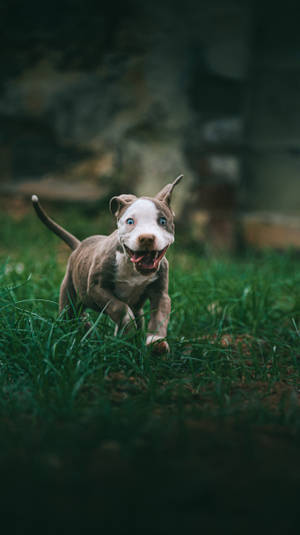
(116, 274)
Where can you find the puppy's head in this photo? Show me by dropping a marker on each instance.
(145, 227)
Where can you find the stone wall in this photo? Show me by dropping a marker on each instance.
(138, 105)
(110, 99)
(272, 137)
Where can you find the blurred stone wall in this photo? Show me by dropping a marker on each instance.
(272, 170)
(270, 193)
(131, 96)
(97, 99)
(93, 107)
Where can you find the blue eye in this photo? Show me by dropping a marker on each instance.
(130, 221)
(162, 221)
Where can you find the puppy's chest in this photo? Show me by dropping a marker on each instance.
(129, 285)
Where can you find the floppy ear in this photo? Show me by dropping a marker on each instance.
(117, 204)
(166, 193)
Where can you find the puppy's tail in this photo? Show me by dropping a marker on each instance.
(57, 229)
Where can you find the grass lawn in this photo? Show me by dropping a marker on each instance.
(98, 435)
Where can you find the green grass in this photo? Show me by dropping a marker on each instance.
(100, 424)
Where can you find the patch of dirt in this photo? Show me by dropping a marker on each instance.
(242, 343)
(193, 394)
(120, 386)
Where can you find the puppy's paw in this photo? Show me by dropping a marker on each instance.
(157, 344)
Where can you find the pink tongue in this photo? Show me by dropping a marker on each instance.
(149, 261)
(146, 260)
(136, 259)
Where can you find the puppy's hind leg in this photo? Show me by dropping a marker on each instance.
(67, 296)
(68, 301)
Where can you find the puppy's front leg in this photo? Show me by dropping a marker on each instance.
(117, 310)
(160, 306)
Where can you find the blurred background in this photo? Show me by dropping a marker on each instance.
(99, 98)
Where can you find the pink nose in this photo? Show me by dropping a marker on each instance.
(146, 240)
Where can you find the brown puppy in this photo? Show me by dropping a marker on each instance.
(119, 272)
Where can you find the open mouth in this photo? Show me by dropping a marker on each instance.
(146, 261)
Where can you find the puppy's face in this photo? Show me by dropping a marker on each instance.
(145, 227)
(146, 230)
